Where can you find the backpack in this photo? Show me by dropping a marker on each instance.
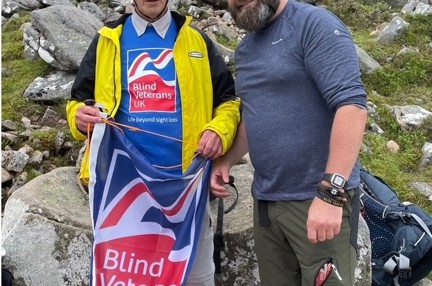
(400, 234)
(7, 277)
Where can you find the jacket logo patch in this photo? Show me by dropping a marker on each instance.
(196, 55)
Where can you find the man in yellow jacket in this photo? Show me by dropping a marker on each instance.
(154, 71)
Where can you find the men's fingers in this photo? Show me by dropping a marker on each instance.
(208, 152)
(201, 146)
(337, 230)
(210, 145)
(218, 153)
(313, 238)
(82, 125)
(91, 110)
(217, 187)
(87, 115)
(205, 144)
(213, 153)
(217, 183)
(321, 235)
(329, 234)
(311, 234)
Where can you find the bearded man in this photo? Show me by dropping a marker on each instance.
(303, 118)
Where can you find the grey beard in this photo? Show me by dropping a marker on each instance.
(253, 20)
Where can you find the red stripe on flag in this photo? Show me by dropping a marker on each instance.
(121, 207)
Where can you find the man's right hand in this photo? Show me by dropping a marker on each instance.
(87, 115)
(324, 221)
(220, 177)
(222, 165)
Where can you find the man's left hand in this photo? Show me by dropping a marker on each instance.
(324, 221)
(210, 145)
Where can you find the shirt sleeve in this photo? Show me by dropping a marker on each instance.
(331, 60)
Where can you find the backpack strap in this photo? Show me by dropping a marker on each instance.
(398, 264)
(406, 216)
(373, 204)
(422, 224)
(218, 241)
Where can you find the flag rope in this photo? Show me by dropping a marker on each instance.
(110, 121)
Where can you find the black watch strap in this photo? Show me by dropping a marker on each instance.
(336, 180)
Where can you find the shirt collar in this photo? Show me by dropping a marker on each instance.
(161, 25)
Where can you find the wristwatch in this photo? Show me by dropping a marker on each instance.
(336, 180)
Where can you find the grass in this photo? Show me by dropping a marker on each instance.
(232, 44)
(357, 15)
(18, 72)
(405, 79)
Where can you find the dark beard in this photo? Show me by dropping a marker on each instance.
(256, 17)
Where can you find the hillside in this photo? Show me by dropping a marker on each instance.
(389, 150)
(405, 79)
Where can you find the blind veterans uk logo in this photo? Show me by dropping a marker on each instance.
(146, 222)
(152, 83)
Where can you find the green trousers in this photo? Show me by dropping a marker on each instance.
(285, 255)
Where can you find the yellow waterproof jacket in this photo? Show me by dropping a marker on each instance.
(206, 86)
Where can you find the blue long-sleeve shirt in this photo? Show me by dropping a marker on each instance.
(292, 76)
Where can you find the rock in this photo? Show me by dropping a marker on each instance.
(14, 161)
(47, 231)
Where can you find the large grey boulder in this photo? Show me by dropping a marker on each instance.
(47, 231)
(65, 34)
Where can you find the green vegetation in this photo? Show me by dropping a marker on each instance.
(404, 79)
(18, 72)
(427, 128)
(45, 138)
(232, 44)
(398, 77)
(357, 15)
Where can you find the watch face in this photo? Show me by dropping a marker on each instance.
(338, 181)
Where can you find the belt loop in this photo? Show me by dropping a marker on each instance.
(263, 213)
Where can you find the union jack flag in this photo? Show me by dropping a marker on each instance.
(146, 222)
